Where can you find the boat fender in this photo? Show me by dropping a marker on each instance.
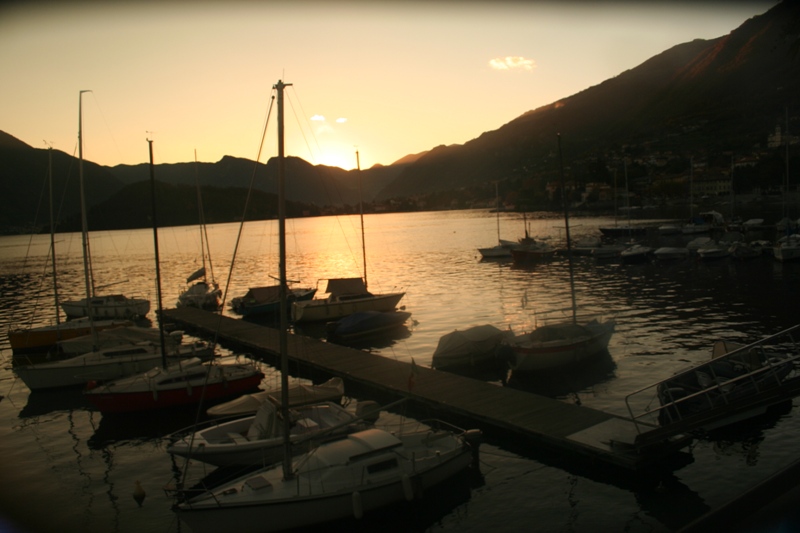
(358, 509)
(408, 489)
(91, 385)
(473, 439)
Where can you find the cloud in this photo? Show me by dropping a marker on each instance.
(512, 63)
(341, 120)
(318, 118)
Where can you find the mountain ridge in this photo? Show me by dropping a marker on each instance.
(706, 99)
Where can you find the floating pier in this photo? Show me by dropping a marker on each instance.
(550, 423)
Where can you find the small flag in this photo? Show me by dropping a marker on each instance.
(196, 275)
(413, 376)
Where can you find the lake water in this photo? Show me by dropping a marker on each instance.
(68, 468)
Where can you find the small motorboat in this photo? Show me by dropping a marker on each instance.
(470, 348)
(258, 439)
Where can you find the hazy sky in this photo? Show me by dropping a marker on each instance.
(390, 78)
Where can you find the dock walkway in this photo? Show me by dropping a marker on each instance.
(545, 421)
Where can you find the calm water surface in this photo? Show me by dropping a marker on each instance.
(68, 468)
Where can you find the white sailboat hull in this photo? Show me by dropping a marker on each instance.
(787, 252)
(573, 345)
(113, 363)
(111, 306)
(327, 309)
(238, 442)
(347, 486)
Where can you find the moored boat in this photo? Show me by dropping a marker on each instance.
(107, 364)
(787, 249)
(636, 254)
(473, 347)
(258, 439)
(671, 253)
(43, 338)
(347, 477)
(266, 300)
(179, 384)
(345, 297)
(558, 345)
(109, 306)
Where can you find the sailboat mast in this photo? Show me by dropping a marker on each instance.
(284, 311)
(497, 208)
(691, 189)
(158, 261)
(84, 221)
(361, 212)
(53, 233)
(200, 215)
(202, 219)
(566, 224)
(786, 179)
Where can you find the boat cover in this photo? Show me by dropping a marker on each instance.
(262, 294)
(460, 347)
(339, 286)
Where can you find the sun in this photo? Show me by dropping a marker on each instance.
(347, 161)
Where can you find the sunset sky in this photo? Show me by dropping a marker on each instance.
(387, 78)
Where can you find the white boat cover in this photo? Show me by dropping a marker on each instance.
(463, 347)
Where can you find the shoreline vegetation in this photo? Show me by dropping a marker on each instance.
(770, 208)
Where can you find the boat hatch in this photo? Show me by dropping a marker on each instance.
(129, 351)
(258, 483)
(382, 466)
(373, 453)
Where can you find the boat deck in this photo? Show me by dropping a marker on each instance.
(546, 422)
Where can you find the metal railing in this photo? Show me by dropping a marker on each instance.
(727, 377)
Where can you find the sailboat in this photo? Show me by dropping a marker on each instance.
(344, 477)
(626, 230)
(787, 248)
(40, 339)
(259, 301)
(172, 384)
(346, 295)
(503, 247)
(94, 305)
(560, 343)
(205, 293)
(106, 363)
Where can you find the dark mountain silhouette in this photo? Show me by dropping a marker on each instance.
(321, 185)
(177, 206)
(727, 93)
(24, 191)
(701, 98)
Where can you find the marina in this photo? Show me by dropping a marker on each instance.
(668, 314)
(544, 421)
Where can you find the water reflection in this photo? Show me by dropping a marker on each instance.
(568, 381)
(43, 402)
(115, 429)
(668, 315)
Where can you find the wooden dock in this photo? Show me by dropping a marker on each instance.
(546, 422)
